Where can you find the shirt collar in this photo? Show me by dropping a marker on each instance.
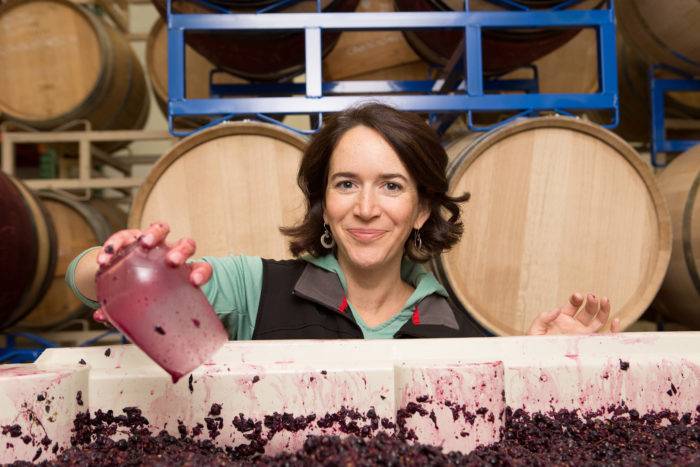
(424, 282)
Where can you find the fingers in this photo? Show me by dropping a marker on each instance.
(150, 237)
(541, 323)
(601, 318)
(589, 311)
(201, 273)
(155, 234)
(178, 254)
(615, 327)
(575, 302)
(115, 243)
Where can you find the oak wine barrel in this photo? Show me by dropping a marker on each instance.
(27, 251)
(635, 99)
(680, 292)
(262, 56)
(229, 187)
(502, 49)
(197, 71)
(79, 225)
(557, 205)
(368, 54)
(571, 68)
(59, 62)
(663, 32)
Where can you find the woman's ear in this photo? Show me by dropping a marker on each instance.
(423, 215)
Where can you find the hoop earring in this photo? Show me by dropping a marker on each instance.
(327, 239)
(417, 241)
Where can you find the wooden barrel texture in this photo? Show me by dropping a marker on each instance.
(259, 56)
(635, 103)
(558, 205)
(197, 71)
(229, 187)
(680, 291)
(663, 32)
(503, 49)
(60, 63)
(27, 251)
(79, 226)
(359, 53)
(572, 68)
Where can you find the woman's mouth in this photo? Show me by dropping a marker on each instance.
(366, 235)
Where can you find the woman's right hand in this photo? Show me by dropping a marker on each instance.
(153, 236)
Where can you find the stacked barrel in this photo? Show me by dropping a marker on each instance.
(62, 65)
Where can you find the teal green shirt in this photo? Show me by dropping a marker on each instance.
(236, 284)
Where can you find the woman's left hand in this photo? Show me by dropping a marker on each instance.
(564, 320)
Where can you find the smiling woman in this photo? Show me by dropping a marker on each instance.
(377, 204)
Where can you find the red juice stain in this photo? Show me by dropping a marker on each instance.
(175, 376)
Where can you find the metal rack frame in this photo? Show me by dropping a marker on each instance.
(11, 353)
(658, 89)
(12, 133)
(316, 98)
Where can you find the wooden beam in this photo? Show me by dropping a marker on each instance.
(92, 136)
(77, 184)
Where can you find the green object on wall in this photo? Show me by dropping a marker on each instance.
(48, 164)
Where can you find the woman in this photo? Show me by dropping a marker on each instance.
(376, 192)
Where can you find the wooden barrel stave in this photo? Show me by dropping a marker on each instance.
(680, 292)
(540, 224)
(229, 187)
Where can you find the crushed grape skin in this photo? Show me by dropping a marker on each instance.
(561, 438)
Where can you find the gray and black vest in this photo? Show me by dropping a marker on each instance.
(302, 301)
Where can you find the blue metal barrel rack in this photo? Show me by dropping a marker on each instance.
(658, 89)
(317, 97)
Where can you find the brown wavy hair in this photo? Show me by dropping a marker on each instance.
(418, 147)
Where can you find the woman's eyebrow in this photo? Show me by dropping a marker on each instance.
(386, 176)
(343, 175)
(390, 176)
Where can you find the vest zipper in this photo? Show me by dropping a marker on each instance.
(347, 316)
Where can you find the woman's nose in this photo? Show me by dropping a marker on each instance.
(366, 206)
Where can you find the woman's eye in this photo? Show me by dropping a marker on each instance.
(391, 186)
(344, 185)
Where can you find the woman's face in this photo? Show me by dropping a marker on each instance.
(371, 201)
